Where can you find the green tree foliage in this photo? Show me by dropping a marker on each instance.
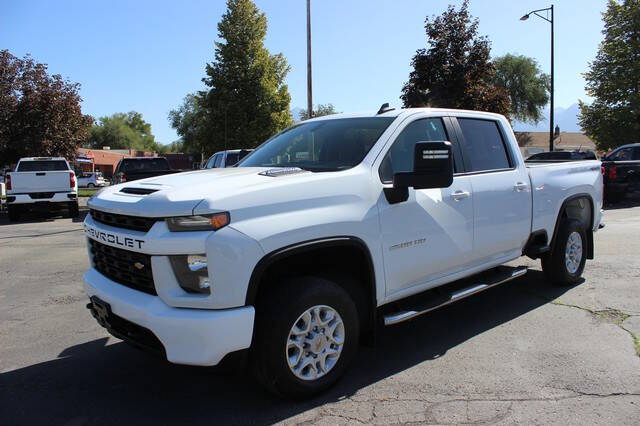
(40, 114)
(455, 70)
(613, 79)
(190, 123)
(123, 131)
(526, 84)
(248, 100)
(320, 111)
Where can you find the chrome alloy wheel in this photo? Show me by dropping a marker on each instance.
(573, 252)
(315, 342)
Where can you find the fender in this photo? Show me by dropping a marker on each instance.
(297, 248)
(589, 230)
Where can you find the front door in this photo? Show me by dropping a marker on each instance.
(431, 234)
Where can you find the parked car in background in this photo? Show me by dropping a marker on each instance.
(91, 180)
(226, 158)
(621, 169)
(563, 155)
(41, 183)
(134, 168)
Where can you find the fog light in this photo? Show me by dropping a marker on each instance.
(192, 273)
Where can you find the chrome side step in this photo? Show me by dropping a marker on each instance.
(499, 278)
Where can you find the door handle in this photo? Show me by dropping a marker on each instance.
(459, 195)
(520, 186)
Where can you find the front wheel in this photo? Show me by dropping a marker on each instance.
(565, 264)
(307, 331)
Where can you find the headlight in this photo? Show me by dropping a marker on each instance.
(192, 273)
(209, 222)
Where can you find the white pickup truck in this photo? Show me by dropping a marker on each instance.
(41, 183)
(326, 230)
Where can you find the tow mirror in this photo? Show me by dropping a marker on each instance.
(432, 168)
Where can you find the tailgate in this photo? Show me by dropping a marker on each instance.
(50, 181)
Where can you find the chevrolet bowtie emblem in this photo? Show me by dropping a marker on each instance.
(139, 265)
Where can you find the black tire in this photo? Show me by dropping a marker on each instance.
(276, 314)
(14, 213)
(90, 185)
(554, 264)
(74, 210)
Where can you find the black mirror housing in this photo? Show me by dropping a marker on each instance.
(432, 167)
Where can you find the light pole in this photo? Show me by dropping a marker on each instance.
(309, 91)
(524, 18)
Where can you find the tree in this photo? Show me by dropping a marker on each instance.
(190, 123)
(613, 79)
(40, 114)
(248, 100)
(123, 131)
(322, 110)
(455, 70)
(525, 84)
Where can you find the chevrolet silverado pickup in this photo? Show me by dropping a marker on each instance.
(331, 228)
(41, 183)
(135, 168)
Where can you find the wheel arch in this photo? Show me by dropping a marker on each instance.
(572, 208)
(299, 259)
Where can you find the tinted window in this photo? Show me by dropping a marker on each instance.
(324, 145)
(400, 157)
(42, 166)
(232, 158)
(636, 153)
(143, 165)
(484, 144)
(624, 154)
(218, 160)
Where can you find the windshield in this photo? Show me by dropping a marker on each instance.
(326, 145)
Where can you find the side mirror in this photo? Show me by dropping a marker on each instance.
(432, 168)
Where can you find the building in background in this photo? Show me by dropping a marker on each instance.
(535, 142)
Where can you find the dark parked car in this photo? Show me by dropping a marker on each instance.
(621, 169)
(563, 156)
(135, 168)
(226, 158)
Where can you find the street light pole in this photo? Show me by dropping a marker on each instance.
(524, 18)
(309, 86)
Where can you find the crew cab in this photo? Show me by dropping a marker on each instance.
(41, 183)
(135, 168)
(330, 228)
(621, 169)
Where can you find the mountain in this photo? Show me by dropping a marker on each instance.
(295, 113)
(567, 119)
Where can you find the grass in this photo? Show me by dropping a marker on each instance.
(85, 192)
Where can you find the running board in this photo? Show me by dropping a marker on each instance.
(503, 275)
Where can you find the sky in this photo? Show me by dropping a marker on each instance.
(147, 55)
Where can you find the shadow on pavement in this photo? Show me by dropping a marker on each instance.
(40, 217)
(118, 384)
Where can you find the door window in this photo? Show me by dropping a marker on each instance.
(484, 144)
(400, 157)
(218, 161)
(621, 155)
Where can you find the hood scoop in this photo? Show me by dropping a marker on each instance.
(282, 171)
(138, 191)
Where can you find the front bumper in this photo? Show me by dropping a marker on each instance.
(189, 336)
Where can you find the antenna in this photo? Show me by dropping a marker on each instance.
(384, 108)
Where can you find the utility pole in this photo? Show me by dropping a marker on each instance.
(551, 113)
(309, 85)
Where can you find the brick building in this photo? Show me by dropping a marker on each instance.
(106, 160)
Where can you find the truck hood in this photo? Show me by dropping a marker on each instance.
(180, 194)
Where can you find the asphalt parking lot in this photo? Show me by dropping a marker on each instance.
(525, 352)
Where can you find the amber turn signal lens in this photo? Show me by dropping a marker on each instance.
(219, 220)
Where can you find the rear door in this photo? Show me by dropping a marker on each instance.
(430, 235)
(501, 190)
(41, 176)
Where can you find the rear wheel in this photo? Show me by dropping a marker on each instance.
(565, 264)
(14, 212)
(74, 210)
(307, 332)
(90, 185)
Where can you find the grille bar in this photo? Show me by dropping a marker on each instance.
(135, 223)
(125, 267)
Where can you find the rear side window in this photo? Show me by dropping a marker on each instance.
(42, 166)
(484, 144)
(636, 153)
(218, 161)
